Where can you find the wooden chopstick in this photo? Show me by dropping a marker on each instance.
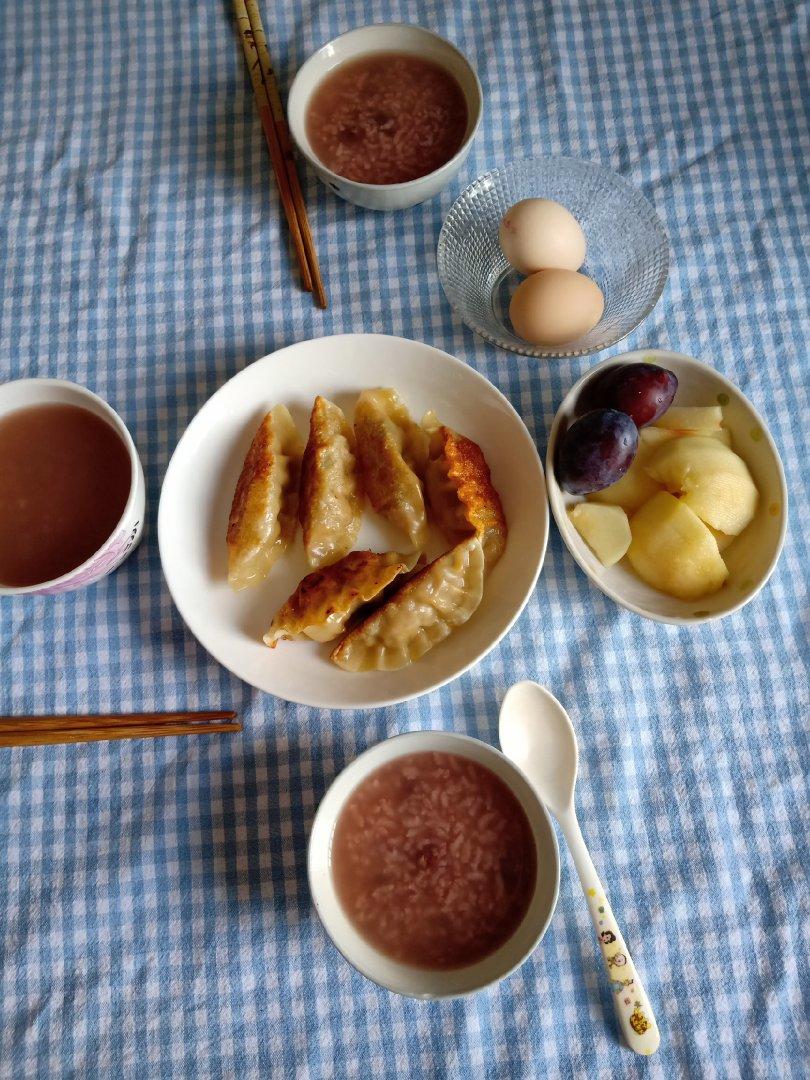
(277, 134)
(52, 730)
(63, 723)
(271, 137)
(280, 119)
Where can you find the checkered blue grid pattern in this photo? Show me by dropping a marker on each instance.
(154, 913)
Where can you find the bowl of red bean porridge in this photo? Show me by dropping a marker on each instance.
(385, 114)
(433, 865)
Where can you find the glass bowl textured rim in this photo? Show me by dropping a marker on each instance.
(537, 351)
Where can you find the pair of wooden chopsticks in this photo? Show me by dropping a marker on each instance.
(50, 730)
(276, 132)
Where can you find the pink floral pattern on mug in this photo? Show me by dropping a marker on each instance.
(107, 560)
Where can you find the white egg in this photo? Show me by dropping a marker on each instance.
(539, 234)
(554, 307)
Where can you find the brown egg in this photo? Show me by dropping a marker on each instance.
(554, 307)
(539, 234)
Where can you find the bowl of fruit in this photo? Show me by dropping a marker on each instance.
(667, 487)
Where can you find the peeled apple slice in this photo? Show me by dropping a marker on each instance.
(605, 529)
(657, 435)
(637, 486)
(653, 436)
(722, 435)
(725, 501)
(723, 539)
(691, 418)
(676, 460)
(714, 481)
(672, 550)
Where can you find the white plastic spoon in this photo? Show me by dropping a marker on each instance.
(536, 733)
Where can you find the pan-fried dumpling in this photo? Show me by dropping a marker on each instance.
(459, 490)
(325, 600)
(419, 615)
(263, 512)
(391, 453)
(331, 506)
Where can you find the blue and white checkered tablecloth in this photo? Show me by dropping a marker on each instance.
(154, 913)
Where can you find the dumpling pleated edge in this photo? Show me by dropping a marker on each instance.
(420, 615)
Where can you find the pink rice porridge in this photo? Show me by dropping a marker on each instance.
(434, 860)
(386, 118)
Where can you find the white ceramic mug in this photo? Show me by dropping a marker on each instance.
(402, 978)
(127, 533)
(384, 37)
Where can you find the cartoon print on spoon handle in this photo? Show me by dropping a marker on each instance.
(536, 733)
(633, 1009)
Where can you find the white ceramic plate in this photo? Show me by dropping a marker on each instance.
(750, 559)
(202, 474)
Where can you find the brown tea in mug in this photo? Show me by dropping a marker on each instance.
(65, 477)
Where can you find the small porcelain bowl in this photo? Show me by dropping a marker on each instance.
(381, 969)
(126, 536)
(384, 37)
(753, 555)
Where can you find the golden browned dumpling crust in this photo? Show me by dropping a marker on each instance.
(331, 505)
(461, 496)
(255, 472)
(419, 615)
(263, 514)
(325, 599)
(391, 453)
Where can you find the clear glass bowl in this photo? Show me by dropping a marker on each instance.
(627, 250)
